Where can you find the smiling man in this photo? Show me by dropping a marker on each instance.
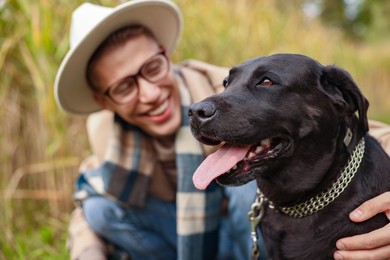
(136, 81)
(139, 196)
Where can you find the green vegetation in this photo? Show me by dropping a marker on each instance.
(42, 146)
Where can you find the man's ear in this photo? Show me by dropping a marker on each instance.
(101, 100)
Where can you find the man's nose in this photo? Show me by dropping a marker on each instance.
(148, 92)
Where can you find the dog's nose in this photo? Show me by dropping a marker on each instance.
(202, 111)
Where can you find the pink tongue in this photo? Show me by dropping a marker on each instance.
(218, 163)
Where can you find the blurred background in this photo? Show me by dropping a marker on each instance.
(41, 146)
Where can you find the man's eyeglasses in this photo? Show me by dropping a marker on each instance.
(153, 70)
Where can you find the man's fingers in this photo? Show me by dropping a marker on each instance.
(372, 207)
(375, 239)
(372, 245)
(382, 253)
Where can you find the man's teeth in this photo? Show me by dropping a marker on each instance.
(160, 109)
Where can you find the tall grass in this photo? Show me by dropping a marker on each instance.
(42, 146)
(229, 32)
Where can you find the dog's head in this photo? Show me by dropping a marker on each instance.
(278, 114)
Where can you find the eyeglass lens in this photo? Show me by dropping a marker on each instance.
(153, 70)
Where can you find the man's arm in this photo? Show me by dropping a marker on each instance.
(83, 243)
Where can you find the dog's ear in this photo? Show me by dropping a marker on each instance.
(342, 89)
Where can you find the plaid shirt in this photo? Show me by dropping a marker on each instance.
(130, 163)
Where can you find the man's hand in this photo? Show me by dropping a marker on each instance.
(372, 245)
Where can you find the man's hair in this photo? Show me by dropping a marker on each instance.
(115, 39)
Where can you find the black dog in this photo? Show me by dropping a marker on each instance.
(299, 129)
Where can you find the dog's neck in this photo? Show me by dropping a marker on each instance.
(321, 200)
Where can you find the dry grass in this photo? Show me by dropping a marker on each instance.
(41, 146)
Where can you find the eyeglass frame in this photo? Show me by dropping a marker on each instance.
(136, 75)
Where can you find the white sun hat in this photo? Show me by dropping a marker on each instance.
(90, 26)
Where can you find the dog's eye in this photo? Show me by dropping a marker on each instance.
(225, 82)
(266, 82)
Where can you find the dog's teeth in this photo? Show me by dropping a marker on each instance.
(251, 155)
(234, 167)
(259, 149)
(266, 143)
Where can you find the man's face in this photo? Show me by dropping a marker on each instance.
(156, 106)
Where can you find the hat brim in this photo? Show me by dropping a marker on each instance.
(162, 18)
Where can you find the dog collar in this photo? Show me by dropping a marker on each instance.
(322, 199)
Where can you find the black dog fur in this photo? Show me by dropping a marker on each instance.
(306, 109)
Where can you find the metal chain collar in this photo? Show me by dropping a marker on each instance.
(320, 201)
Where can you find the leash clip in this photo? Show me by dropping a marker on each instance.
(255, 216)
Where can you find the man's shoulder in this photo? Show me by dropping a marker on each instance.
(203, 66)
(196, 71)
